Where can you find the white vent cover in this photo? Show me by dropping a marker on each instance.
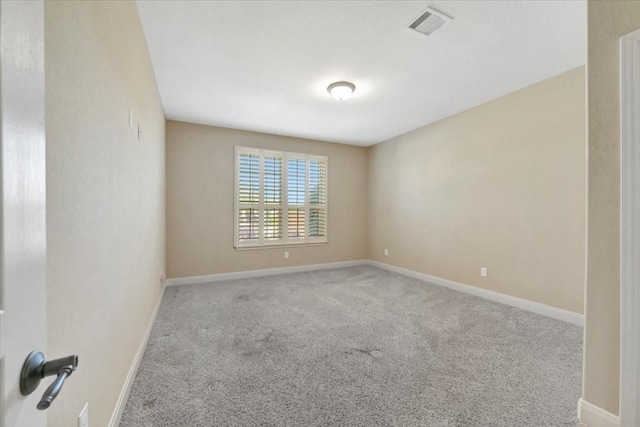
(429, 21)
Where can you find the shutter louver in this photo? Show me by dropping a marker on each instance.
(272, 224)
(272, 180)
(249, 178)
(317, 182)
(296, 223)
(273, 221)
(296, 171)
(317, 198)
(248, 193)
(248, 224)
(317, 222)
(296, 183)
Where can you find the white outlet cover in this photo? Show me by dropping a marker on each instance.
(83, 418)
(483, 271)
(286, 254)
(386, 252)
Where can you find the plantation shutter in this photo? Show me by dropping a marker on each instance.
(273, 220)
(280, 198)
(317, 198)
(296, 192)
(249, 197)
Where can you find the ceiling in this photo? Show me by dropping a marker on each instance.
(265, 65)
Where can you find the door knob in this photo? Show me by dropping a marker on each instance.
(36, 367)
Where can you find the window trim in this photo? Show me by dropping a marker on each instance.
(285, 241)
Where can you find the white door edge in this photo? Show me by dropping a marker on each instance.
(22, 205)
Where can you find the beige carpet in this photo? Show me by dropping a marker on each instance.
(352, 347)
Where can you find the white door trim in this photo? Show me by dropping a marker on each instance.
(630, 229)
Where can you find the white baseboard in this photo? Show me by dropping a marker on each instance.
(193, 280)
(593, 416)
(545, 310)
(116, 416)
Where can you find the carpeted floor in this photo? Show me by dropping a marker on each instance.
(352, 347)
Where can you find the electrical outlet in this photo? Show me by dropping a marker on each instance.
(83, 418)
(139, 132)
(286, 254)
(162, 277)
(483, 271)
(386, 252)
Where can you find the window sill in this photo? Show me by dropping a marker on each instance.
(279, 245)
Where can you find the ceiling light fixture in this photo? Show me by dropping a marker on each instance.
(341, 90)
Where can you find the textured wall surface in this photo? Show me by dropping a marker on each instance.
(606, 23)
(200, 226)
(105, 198)
(500, 186)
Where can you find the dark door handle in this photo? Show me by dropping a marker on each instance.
(36, 367)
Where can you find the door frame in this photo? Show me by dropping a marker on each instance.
(630, 229)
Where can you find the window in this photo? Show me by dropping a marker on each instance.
(280, 198)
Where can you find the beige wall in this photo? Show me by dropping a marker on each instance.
(606, 23)
(500, 186)
(105, 199)
(200, 176)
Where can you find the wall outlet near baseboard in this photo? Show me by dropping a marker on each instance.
(286, 254)
(162, 277)
(483, 271)
(83, 418)
(386, 252)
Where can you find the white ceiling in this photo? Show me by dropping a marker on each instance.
(265, 65)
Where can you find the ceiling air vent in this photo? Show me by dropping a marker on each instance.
(429, 21)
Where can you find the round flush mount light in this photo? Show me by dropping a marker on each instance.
(341, 90)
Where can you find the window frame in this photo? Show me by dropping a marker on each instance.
(286, 241)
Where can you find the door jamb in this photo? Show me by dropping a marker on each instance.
(630, 229)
